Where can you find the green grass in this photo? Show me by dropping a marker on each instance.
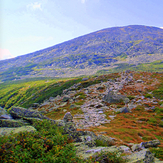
(24, 93)
(156, 66)
(158, 152)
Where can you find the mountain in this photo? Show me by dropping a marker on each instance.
(102, 50)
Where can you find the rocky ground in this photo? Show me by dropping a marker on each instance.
(119, 111)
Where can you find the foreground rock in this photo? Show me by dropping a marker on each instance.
(18, 112)
(7, 131)
(144, 156)
(18, 120)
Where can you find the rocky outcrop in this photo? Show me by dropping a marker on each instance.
(18, 120)
(153, 143)
(4, 114)
(7, 131)
(12, 123)
(112, 97)
(19, 112)
(144, 156)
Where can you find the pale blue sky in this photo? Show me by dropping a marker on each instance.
(30, 25)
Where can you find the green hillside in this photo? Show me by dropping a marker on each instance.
(25, 93)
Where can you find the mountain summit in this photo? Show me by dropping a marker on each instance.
(101, 50)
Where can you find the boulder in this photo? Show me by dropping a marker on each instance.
(7, 131)
(123, 110)
(104, 140)
(2, 111)
(65, 98)
(68, 117)
(125, 149)
(4, 114)
(18, 112)
(12, 123)
(136, 147)
(153, 143)
(112, 97)
(88, 140)
(144, 156)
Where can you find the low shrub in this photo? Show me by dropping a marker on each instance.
(158, 152)
(148, 95)
(47, 144)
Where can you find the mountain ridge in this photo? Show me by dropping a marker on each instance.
(87, 54)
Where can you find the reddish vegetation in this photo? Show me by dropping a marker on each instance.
(142, 124)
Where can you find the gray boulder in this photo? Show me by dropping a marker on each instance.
(2, 111)
(18, 112)
(153, 143)
(65, 98)
(12, 123)
(7, 131)
(70, 127)
(103, 140)
(112, 97)
(4, 114)
(144, 156)
(123, 110)
(68, 117)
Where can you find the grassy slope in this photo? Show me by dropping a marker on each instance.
(25, 93)
(135, 127)
(156, 66)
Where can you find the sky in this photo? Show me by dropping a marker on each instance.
(30, 25)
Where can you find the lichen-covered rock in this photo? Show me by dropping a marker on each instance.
(123, 110)
(4, 114)
(112, 97)
(31, 120)
(85, 152)
(143, 156)
(69, 127)
(7, 131)
(68, 117)
(18, 112)
(125, 149)
(88, 140)
(153, 143)
(12, 123)
(60, 122)
(65, 98)
(136, 147)
(2, 111)
(105, 140)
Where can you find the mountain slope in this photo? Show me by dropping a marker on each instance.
(85, 55)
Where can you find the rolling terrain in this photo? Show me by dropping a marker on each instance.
(107, 50)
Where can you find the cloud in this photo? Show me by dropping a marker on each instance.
(161, 27)
(5, 54)
(35, 6)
